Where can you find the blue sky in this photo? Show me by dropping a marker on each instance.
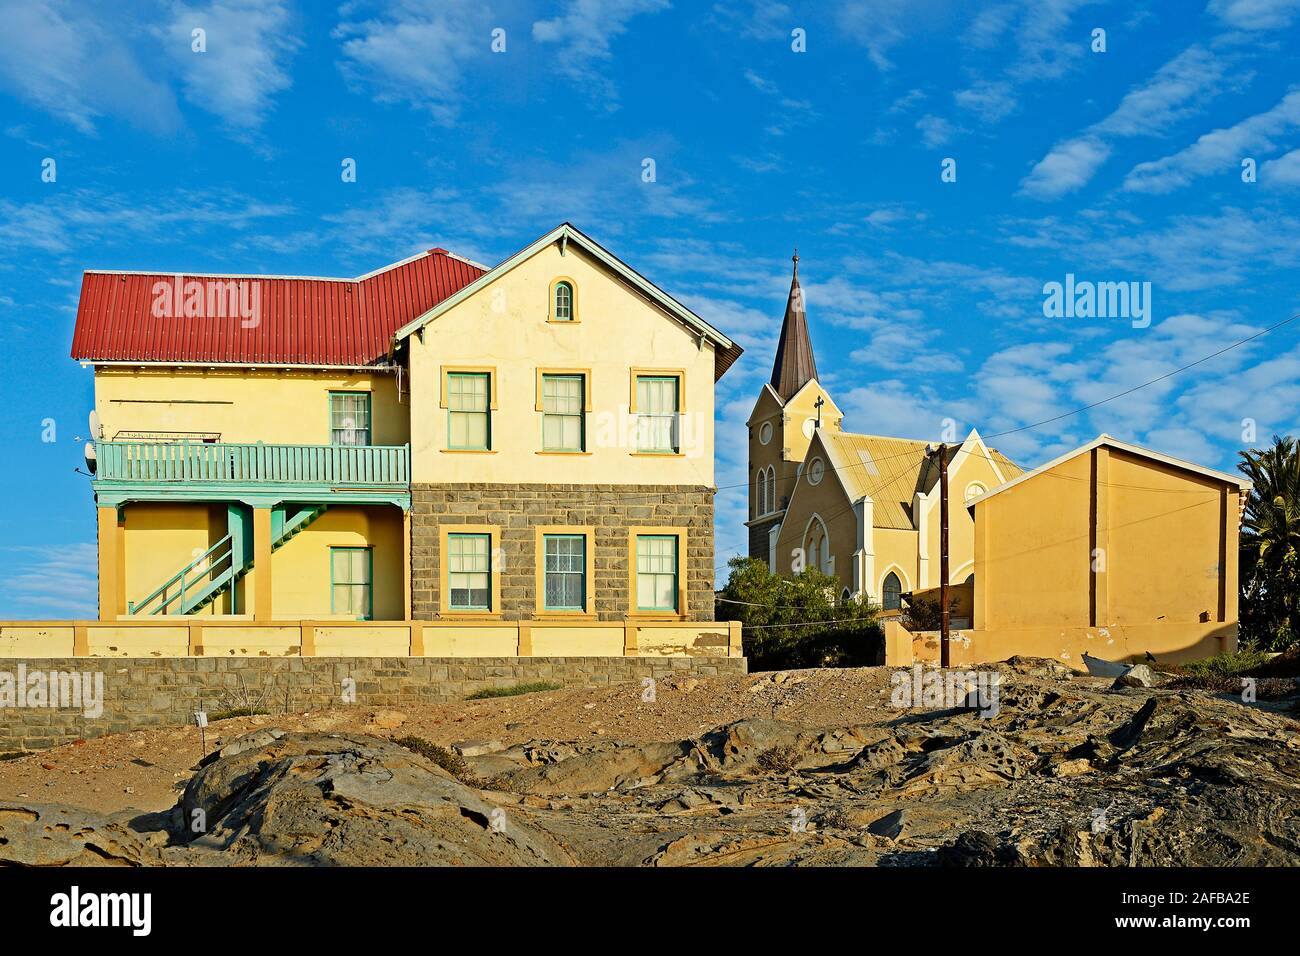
(925, 297)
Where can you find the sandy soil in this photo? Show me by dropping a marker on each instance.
(146, 770)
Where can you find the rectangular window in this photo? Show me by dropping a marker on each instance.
(350, 418)
(469, 571)
(566, 572)
(656, 572)
(351, 584)
(563, 419)
(656, 413)
(468, 423)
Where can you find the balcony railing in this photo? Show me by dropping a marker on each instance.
(247, 464)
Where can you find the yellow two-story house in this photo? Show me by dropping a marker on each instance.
(436, 440)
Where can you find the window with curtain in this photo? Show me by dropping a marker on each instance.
(350, 418)
(563, 418)
(656, 572)
(565, 572)
(892, 596)
(656, 413)
(563, 302)
(469, 571)
(468, 411)
(351, 585)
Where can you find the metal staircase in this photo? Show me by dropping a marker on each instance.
(218, 569)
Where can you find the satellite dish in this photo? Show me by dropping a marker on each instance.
(96, 430)
(91, 459)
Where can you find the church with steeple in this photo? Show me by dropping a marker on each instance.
(864, 509)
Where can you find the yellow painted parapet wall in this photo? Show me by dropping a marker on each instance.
(1170, 643)
(191, 637)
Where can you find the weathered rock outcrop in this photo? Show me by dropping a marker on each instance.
(1067, 772)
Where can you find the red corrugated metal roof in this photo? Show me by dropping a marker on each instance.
(260, 320)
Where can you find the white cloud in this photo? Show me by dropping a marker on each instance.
(934, 130)
(248, 45)
(1255, 14)
(65, 59)
(1283, 171)
(881, 25)
(604, 189)
(1185, 253)
(417, 53)
(1066, 168)
(1178, 89)
(59, 582)
(1034, 40)
(1219, 151)
(584, 33)
(83, 217)
(990, 102)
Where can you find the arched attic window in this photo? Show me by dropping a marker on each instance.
(562, 302)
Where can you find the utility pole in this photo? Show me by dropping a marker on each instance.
(945, 647)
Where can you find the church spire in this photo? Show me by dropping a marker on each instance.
(794, 366)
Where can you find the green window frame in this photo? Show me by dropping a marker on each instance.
(352, 576)
(563, 302)
(657, 404)
(565, 572)
(656, 572)
(564, 419)
(469, 572)
(350, 418)
(469, 412)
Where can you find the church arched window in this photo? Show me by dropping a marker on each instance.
(891, 592)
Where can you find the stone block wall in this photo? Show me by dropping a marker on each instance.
(519, 508)
(141, 693)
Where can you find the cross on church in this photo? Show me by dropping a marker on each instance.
(818, 405)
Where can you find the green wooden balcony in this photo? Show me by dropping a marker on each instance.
(256, 473)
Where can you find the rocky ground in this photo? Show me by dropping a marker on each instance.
(803, 767)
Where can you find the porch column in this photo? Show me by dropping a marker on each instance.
(406, 566)
(112, 570)
(262, 564)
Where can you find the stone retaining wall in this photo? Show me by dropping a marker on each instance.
(165, 692)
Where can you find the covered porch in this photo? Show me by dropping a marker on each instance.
(258, 532)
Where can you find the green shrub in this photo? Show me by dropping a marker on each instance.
(1223, 665)
(779, 759)
(238, 712)
(800, 621)
(448, 760)
(532, 687)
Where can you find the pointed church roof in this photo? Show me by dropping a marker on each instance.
(794, 365)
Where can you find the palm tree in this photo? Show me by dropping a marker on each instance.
(1270, 545)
